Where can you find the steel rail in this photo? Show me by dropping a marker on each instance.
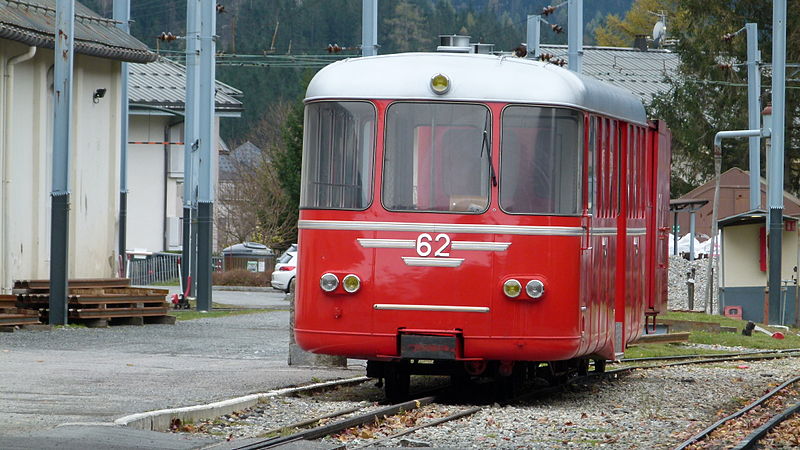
(711, 355)
(318, 432)
(701, 435)
(432, 423)
(752, 439)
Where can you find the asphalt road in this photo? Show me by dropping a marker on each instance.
(68, 375)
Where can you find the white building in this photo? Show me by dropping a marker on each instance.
(155, 156)
(26, 140)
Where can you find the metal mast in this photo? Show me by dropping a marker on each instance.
(189, 247)
(575, 35)
(369, 27)
(122, 13)
(62, 146)
(207, 134)
(775, 163)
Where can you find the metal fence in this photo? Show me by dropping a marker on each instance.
(146, 270)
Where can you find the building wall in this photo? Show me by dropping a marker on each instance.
(26, 144)
(740, 256)
(155, 182)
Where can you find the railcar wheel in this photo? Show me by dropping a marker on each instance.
(600, 365)
(398, 379)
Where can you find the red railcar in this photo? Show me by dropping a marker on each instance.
(478, 214)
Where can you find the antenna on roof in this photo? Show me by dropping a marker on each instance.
(659, 29)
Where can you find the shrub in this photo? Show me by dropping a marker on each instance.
(240, 277)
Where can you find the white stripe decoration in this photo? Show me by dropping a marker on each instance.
(432, 262)
(396, 307)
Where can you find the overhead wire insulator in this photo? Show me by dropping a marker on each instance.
(557, 28)
(334, 48)
(725, 66)
(547, 10)
(728, 37)
(167, 37)
(220, 8)
(521, 51)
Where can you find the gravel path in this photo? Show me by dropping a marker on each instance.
(648, 409)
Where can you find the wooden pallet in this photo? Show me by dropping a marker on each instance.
(98, 301)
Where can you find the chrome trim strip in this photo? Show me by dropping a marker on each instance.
(396, 307)
(487, 246)
(437, 228)
(386, 243)
(432, 262)
(637, 231)
(604, 231)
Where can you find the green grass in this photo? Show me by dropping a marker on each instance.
(757, 341)
(191, 314)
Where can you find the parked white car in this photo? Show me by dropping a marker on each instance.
(285, 270)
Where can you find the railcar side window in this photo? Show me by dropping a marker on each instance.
(540, 160)
(338, 147)
(436, 157)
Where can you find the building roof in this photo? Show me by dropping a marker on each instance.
(643, 73)
(752, 216)
(474, 77)
(33, 22)
(162, 84)
(246, 154)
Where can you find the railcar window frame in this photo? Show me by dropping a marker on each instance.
(486, 146)
(370, 153)
(579, 117)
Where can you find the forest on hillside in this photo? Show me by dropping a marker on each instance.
(263, 28)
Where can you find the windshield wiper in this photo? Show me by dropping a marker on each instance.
(485, 144)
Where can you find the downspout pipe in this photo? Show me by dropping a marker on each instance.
(8, 95)
(764, 132)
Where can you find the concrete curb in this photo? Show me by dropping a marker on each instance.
(161, 420)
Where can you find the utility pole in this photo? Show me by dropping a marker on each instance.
(190, 139)
(369, 27)
(122, 13)
(754, 112)
(62, 145)
(575, 35)
(534, 36)
(207, 134)
(775, 163)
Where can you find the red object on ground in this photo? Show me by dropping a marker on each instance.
(734, 312)
(777, 335)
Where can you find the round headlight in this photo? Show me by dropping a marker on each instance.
(351, 283)
(440, 84)
(328, 282)
(534, 288)
(512, 288)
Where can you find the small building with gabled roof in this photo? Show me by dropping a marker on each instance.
(157, 93)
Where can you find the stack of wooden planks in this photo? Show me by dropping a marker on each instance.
(99, 301)
(11, 316)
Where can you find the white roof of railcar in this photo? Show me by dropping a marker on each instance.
(473, 78)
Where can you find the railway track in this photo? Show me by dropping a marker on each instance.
(371, 425)
(746, 427)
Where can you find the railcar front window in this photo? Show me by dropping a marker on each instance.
(338, 147)
(540, 158)
(436, 157)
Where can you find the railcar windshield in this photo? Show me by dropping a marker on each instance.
(338, 148)
(540, 161)
(436, 157)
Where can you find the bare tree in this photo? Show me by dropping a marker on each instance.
(252, 205)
